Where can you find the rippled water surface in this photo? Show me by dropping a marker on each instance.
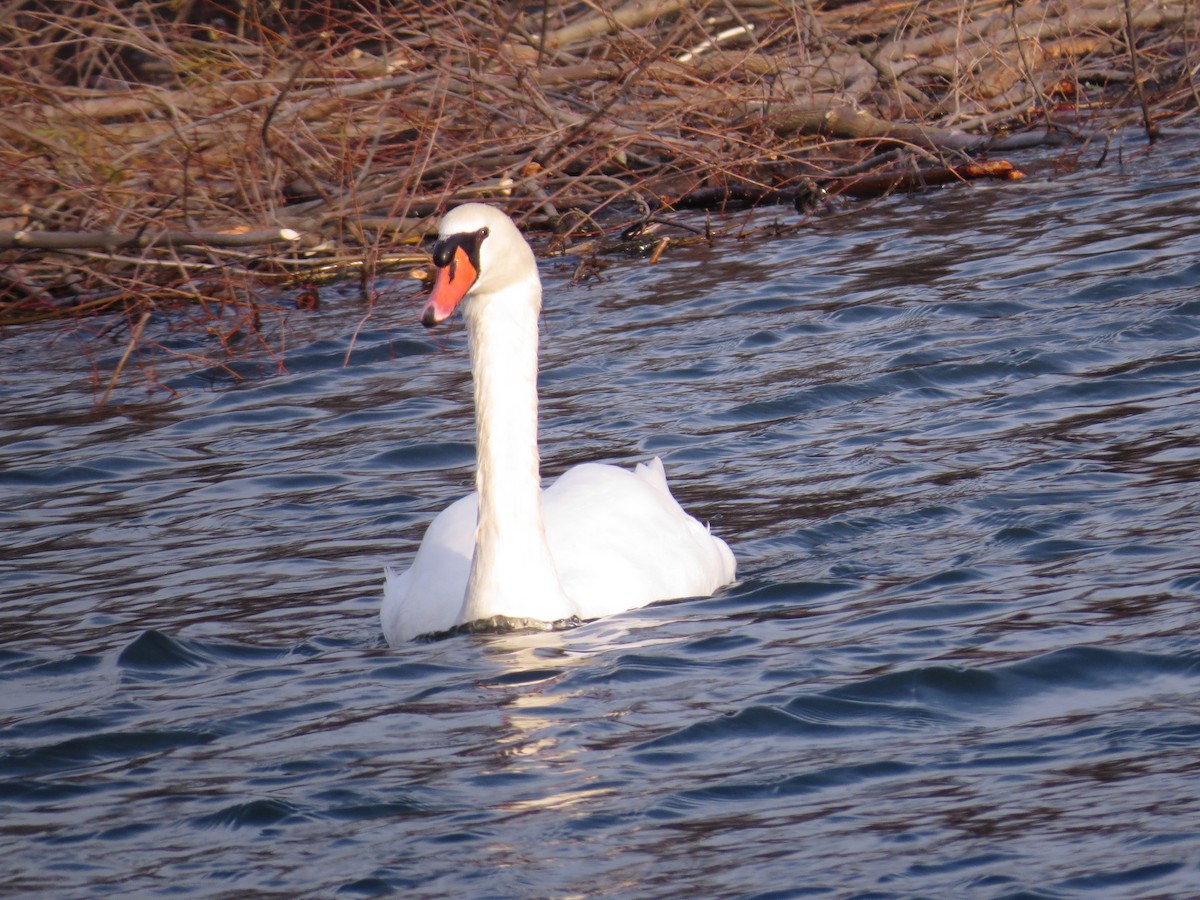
(953, 439)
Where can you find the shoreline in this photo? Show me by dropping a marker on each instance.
(151, 161)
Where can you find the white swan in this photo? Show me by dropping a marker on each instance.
(599, 540)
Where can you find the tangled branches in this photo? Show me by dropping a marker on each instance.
(153, 153)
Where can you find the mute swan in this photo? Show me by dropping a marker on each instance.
(599, 540)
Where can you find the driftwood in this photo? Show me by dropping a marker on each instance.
(71, 240)
(877, 184)
(857, 124)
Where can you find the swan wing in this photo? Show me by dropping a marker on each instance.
(620, 540)
(428, 596)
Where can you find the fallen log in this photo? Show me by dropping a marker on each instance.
(879, 184)
(847, 122)
(860, 186)
(98, 240)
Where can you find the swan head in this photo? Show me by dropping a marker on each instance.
(479, 251)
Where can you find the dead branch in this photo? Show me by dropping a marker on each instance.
(857, 124)
(78, 240)
(624, 18)
(877, 185)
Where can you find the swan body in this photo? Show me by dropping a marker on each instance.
(599, 540)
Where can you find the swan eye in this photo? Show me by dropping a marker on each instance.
(482, 233)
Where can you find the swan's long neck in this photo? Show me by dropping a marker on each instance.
(512, 572)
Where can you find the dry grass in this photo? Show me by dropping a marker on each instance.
(157, 154)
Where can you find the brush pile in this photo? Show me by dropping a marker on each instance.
(203, 153)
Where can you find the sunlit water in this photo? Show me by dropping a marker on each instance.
(953, 439)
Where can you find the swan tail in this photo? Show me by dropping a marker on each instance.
(653, 473)
(719, 558)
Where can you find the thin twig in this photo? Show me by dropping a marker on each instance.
(134, 338)
(1152, 133)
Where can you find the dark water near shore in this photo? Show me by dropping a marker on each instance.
(953, 439)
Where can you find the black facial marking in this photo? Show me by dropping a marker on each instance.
(443, 250)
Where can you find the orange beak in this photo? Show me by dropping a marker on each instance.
(449, 287)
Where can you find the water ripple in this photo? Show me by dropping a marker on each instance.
(952, 439)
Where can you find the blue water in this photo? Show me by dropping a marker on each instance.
(953, 439)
